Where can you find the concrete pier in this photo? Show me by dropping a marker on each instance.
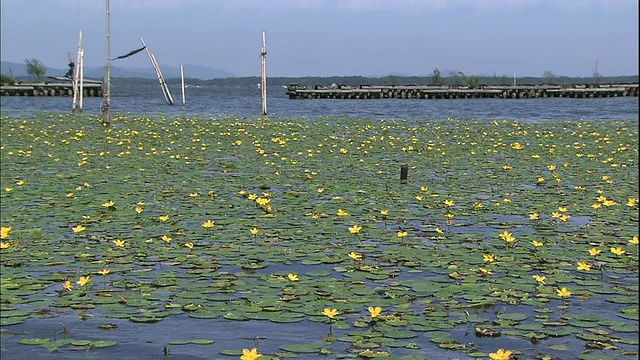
(296, 91)
(50, 89)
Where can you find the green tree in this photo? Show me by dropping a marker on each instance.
(6, 80)
(436, 78)
(473, 82)
(35, 68)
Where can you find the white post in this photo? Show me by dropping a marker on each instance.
(106, 95)
(263, 83)
(514, 79)
(184, 98)
(76, 73)
(81, 88)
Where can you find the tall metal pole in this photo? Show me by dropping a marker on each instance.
(184, 99)
(263, 83)
(77, 87)
(106, 93)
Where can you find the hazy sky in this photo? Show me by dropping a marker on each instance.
(335, 37)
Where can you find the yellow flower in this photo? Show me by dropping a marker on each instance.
(634, 240)
(344, 151)
(320, 190)
(250, 354)
(534, 216)
(163, 218)
(8, 189)
(355, 256)
(562, 209)
(540, 179)
(439, 231)
(551, 167)
(67, 285)
(4, 231)
(449, 203)
(109, 204)
(119, 243)
(4, 245)
(489, 257)
(78, 229)
(594, 251)
(189, 244)
(355, 229)
(402, 234)
(194, 194)
(477, 205)
(484, 272)
(424, 188)
(374, 311)
(139, 209)
(384, 212)
(537, 243)
(331, 313)
(342, 213)
(293, 277)
(632, 202)
(583, 265)
(20, 182)
(609, 202)
(255, 231)
(540, 278)
(555, 214)
(208, 224)
(252, 196)
(564, 292)
(617, 250)
(166, 238)
(596, 206)
(501, 354)
(507, 236)
(83, 280)
(104, 271)
(419, 197)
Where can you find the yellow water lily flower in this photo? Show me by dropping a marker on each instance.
(507, 236)
(355, 229)
(501, 354)
(20, 182)
(166, 238)
(119, 243)
(489, 257)
(331, 313)
(402, 234)
(477, 205)
(634, 240)
(564, 292)
(632, 202)
(250, 354)
(384, 212)
(4, 231)
(594, 251)
(419, 197)
(78, 229)
(8, 189)
(583, 265)
(374, 311)
(596, 206)
(618, 250)
(355, 256)
(540, 278)
(484, 272)
(4, 245)
(342, 212)
(255, 231)
(208, 224)
(189, 244)
(67, 285)
(83, 280)
(139, 209)
(449, 203)
(439, 231)
(163, 218)
(537, 243)
(292, 277)
(108, 204)
(104, 272)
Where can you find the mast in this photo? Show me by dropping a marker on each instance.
(106, 93)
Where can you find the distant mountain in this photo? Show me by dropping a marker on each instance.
(97, 72)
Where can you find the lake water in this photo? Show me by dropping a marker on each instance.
(215, 101)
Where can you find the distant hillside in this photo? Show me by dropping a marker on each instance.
(97, 72)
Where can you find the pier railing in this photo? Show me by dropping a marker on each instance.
(50, 89)
(334, 91)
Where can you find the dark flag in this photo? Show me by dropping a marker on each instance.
(130, 53)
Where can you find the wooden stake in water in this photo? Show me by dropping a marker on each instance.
(77, 89)
(81, 86)
(263, 82)
(156, 67)
(184, 98)
(404, 172)
(106, 93)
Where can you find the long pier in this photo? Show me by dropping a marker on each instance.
(50, 89)
(296, 91)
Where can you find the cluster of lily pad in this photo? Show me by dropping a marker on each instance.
(503, 238)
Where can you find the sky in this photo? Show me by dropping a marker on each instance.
(334, 37)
